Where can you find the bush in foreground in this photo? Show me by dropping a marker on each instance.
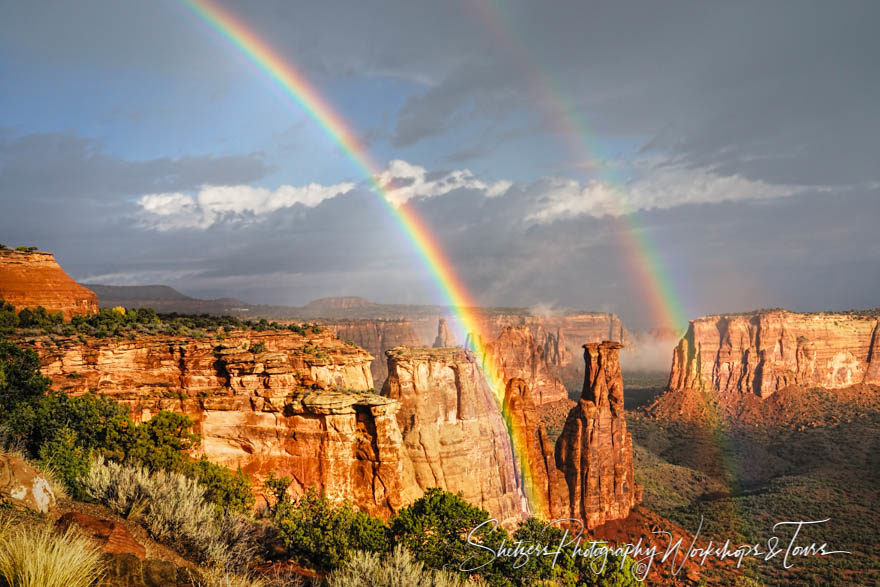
(174, 511)
(37, 556)
(316, 531)
(395, 569)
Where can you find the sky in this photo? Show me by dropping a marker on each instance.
(736, 141)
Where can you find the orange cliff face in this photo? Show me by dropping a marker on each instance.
(453, 429)
(299, 406)
(31, 279)
(517, 354)
(376, 337)
(764, 352)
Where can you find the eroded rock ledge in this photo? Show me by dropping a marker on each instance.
(763, 352)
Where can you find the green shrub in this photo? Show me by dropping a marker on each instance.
(231, 491)
(20, 378)
(323, 535)
(160, 442)
(259, 347)
(68, 462)
(435, 528)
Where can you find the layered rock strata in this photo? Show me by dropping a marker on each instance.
(263, 401)
(516, 354)
(31, 279)
(453, 429)
(588, 474)
(764, 352)
(376, 336)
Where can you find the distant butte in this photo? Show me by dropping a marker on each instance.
(33, 278)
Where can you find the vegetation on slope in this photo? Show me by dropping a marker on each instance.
(119, 322)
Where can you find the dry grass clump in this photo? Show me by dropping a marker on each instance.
(174, 511)
(396, 569)
(37, 556)
(219, 577)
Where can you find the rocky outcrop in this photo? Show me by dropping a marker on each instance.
(516, 354)
(112, 537)
(453, 428)
(594, 451)
(763, 352)
(444, 335)
(376, 337)
(588, 473)
(348, 445)
(22, 485)
(263, 401)
(543, 483)
(240, 363)
(31, 279)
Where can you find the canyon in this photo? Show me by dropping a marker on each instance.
(763, 352)
(304, 406)
(29, 279)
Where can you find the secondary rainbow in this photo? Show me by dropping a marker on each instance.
(297, 88)
(643, 255)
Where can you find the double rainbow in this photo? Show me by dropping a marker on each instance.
(295, 87)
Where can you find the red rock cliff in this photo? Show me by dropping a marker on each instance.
(453, 429)
(594, 451)
(764, 352)
(298, 406)
(517, 355)
(28, 280)
(588, 473)
(376, 337)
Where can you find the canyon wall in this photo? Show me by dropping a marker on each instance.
(764, 352)
(376, 337)
(453, 429)
(31, 279)
(516, 354)
(295, 405)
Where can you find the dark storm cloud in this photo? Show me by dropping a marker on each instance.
(782, 93)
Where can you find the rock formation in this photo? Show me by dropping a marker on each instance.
(444, 336)
(294, 405)
(763, 352)
(517, 355)
(112, 537)
(543, 483)
(31, 279)
(23, 485)
(594, 451)
(588, 473)
(453, 428)
(376, 337)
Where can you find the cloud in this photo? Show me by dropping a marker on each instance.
(405, 181)
(214, 203)
(661, 185)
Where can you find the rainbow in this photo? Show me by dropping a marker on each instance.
(642, 253)
(296, 87)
